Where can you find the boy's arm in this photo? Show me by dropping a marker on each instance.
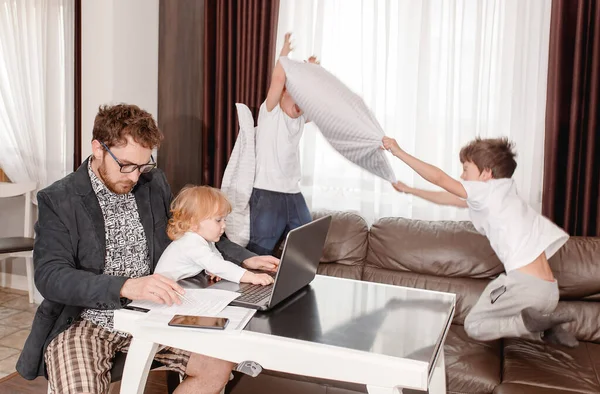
(440, 198)
(427, 171)
(278, 77)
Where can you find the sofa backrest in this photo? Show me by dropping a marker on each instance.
(441, 256)
(450, 249)
(576, 267)
(346, 245)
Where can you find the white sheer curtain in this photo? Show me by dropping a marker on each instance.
(36, 89)
(436, 73)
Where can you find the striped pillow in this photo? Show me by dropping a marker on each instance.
(340, 114)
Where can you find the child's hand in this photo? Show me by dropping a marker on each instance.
(391, 145)
(257, 279)
(401, 187)
(313, 60)
(213, 278)
(287, 45)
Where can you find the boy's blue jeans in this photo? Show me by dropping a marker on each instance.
(273, 214)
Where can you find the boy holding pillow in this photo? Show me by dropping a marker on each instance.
(276, 204)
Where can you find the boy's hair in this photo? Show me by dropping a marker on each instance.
(114, 123)
(194, 204)
(494, 154)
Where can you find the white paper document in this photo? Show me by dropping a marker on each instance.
(198, 302)
(238, 317)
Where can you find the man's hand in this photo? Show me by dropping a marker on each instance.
(265, 263)
(155, 288)
(401, 187)
(391, 145)
(287, 45)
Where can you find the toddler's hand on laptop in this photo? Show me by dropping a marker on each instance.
(213, 278)
(256, 279)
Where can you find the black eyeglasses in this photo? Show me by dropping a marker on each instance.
(129, 168)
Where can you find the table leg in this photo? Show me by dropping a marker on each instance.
(137, 365)
(437, 385)
(383, 390)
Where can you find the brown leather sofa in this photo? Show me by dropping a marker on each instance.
(453, 257)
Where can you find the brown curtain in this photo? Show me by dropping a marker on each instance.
(239, 55)
(572, 145)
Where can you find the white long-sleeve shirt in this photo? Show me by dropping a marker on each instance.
(190, 255)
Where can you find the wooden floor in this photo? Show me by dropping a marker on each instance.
(15, 384)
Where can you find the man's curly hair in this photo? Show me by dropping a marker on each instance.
(114, 123)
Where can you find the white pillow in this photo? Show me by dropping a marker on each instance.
(342, 116)
(238, 178)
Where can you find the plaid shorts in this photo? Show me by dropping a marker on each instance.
(80, 358)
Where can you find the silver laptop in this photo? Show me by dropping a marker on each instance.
(298, 266)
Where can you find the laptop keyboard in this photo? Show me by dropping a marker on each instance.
(254, 293)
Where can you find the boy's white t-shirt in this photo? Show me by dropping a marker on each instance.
(517, 233)
(277, 151)
(189, 255)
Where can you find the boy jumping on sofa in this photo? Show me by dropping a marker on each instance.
(522, 302)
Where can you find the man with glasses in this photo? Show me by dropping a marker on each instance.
(99, 235)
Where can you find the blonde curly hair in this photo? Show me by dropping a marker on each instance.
(194, 204)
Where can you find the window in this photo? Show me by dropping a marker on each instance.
(436, 74)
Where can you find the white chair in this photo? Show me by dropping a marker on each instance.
(20, 246)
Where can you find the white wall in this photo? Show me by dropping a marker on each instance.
(119, 58)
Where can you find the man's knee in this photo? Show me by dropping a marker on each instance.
(209, 373)
(200, 365)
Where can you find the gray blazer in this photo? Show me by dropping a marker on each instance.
(69, 252)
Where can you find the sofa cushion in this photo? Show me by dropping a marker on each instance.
(471, 366)
(538, 365)
(347, 239)
(575, 266)
(467, 290)
(453, 249)
(341, 270)
(279, 382)
(267, 383)
(514, 388)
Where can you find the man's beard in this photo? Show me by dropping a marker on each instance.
(122, 187)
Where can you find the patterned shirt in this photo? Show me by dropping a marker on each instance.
(126, 246)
